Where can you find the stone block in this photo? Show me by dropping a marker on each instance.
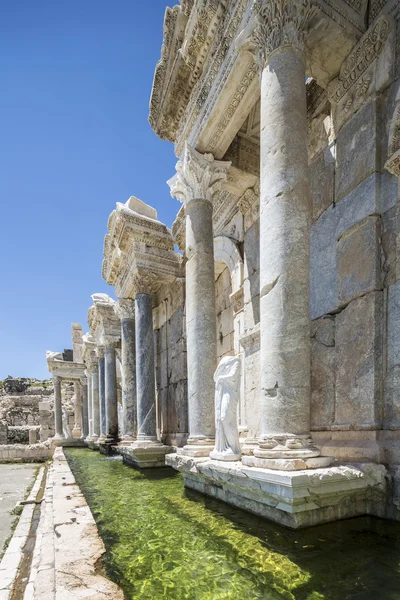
(392, 376)
(322, 182)
(391, 244)
(357, 150)
(323, 296)
(252, 250)
(323, 368)
(359, 363)
(358, 257)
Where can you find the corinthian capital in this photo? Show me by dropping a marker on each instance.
(125, 308)
(277, 23)
(144, 282)
(198, 176)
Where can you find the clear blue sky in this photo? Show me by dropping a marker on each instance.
(75, 85)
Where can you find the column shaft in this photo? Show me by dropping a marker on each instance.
(102, 399)
(58, 426)
(111, 394)
(85, 417)
(200, 322)
(77, 430)
(95, 403)
(128, 356)
(90, 405)
(145, 380)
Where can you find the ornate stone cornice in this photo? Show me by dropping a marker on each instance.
(198, 176)
(125, 308)
(144, 282)
(278, 23)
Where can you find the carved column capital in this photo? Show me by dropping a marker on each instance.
(276, 24)
(100, 351)
(110, 341)
(56, 380)
(83, 381)
(125, 308)
(198, 176)
(144, 282)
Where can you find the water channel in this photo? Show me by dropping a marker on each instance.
(165, 542)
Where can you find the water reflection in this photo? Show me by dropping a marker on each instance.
(167, 542)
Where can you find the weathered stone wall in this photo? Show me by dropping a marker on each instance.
(170, 361)
(224, 313)
(355, 282)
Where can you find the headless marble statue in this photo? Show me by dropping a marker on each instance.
(227, 393)
(66, 429)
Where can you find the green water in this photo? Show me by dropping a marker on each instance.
(167, 542)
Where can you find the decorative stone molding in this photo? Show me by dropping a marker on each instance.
(375, 8)
(198, 176)
(179, 229)
(83, 381)
(144, 282)
(248, 199)
(276, 24)
(125, 308)
(137, 240)
(353, 72)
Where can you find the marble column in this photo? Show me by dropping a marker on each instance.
(110, 376)
(58, 425)
(197, 179)
(90, 404)
(85, 416)
(285, 216)
(102, 394)
(126, 313)
(145, 376)
(77, 430)
(95, 401)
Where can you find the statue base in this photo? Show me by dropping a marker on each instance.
(296, 498)
(144, 455)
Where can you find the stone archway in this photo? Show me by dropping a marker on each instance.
(393, 161)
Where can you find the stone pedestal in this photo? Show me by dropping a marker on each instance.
(102, 396)
(58, 425)
(77, 430)
(128, 361)
(292, 498)
(110, 376)
(198, 177)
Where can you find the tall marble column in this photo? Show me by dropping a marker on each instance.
(285, 211)
(90, 404)
(145, 376)
(94, 371)
(197, 179)
(102, 394)
(110, 376)
(126, 311)
(77, 430)
(85, 416)
(58, 426)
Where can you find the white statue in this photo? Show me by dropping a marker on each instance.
(227, 393)
(66, 429)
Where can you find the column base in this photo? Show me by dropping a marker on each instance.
(287, 464)
(144, 454)
(126, 441)
(198, 447)
(295, 499)
(76, 433)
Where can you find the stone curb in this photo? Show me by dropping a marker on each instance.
(11, 560)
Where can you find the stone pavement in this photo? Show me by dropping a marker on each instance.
(14, 480)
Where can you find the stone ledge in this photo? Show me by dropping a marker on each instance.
(292, 498)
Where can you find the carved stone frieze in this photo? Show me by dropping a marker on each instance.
(125, 308)
(375, 8)
(393, 161)
(144, 282)
(247, 200)
(353, 71)
(179, 229)
(198, 176)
